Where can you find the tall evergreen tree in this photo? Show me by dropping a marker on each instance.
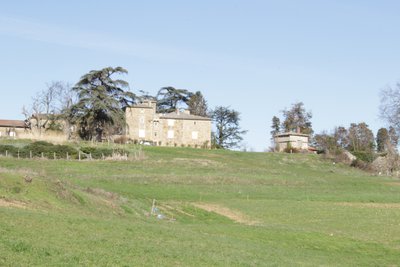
(197, 104)
(382, 139)
(276, 128)
(297, 118)
(101, 102)
(169, 99)
(228, 133)
(393, 137)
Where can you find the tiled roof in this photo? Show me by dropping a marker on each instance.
(13, 123)
(183, 116)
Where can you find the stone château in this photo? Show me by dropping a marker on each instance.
(179, 128)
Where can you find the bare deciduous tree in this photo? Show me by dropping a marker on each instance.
(48, 105)
(390, 106)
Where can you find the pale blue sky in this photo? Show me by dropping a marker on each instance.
(256, 56)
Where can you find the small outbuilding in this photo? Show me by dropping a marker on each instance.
(291, 140)
(11, 128)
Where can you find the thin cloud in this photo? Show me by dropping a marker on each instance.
(35, 31)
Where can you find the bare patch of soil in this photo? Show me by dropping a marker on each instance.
(226, 212)
(12, 204)
(393, 183)
(198, 162)
(19, 171)
(370, 205)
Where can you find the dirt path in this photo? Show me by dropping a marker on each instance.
(12, 204)
(226, 212)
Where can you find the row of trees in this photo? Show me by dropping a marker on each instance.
(95, 106)
(357, 138)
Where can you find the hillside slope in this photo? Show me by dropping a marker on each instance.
(218, 208)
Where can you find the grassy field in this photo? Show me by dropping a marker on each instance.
(215, 208)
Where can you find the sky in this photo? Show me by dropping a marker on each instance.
(258, 57)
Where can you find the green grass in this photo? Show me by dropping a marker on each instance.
(298, 210)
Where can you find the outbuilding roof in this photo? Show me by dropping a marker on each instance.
(183, 116)
(291, 134)
(13, 123)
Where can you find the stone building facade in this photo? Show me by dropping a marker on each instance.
(291, 139)
(178, 128)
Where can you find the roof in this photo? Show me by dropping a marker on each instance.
(145, 104)
(291, 134)
(13, 123)
(183, 116)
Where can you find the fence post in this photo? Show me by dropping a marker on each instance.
(79, 155)
(67, 156)
(54, 155)
(6, 153)
(42, 155)
(18, 153)
(30, 154)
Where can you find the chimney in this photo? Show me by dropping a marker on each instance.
(186, 111)
(298, 130)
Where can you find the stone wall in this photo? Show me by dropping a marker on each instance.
(297, 141)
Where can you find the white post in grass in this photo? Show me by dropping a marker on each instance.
(153, 207)
(30, 154)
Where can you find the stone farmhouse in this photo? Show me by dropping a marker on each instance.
(291, 139)
(178, 128)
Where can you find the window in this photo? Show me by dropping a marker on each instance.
(155, 134)
(170, 134)
(195, 122)
(142, 133)
(171, 122)
(141, 120)
(195, 135)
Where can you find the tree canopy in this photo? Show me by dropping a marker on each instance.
(197, 104)
(228, 132)
(390, 106)
(297, 118)
(169, 99)
(101, 100)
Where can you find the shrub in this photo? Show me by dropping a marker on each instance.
(9, 149)
(48, 150)
(121, 140)
(37, 148)
(291, 150)
(98, 152)
(357, 163)
(364, 156)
